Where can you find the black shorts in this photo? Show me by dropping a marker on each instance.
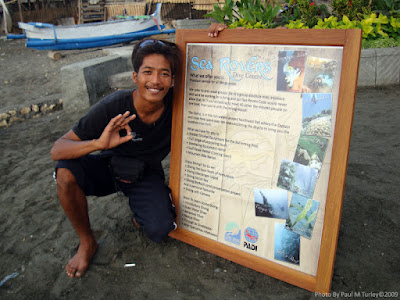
(149, 199)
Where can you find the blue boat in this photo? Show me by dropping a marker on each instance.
(43, 36)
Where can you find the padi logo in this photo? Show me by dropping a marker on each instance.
(135, 137)
(232, 233)
(251, 236)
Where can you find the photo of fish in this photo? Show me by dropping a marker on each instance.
(319, 75)
(297, 178)
(317, 114)
(271, 203)
(286, 245)
(291, 67)
(302, 214)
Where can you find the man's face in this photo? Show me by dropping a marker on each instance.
(154, 78)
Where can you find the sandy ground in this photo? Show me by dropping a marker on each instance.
(36, 239)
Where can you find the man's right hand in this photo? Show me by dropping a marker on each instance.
(110, 138)
(70, 146)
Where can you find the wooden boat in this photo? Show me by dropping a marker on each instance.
(43, 36)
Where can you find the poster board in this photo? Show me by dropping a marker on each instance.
(261, 133)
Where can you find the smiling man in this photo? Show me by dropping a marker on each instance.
(132, 130)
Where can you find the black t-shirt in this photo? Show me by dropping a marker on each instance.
(150, 143)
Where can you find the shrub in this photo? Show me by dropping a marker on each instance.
(380, 28)
(251, 13)
(290, 11)
(310, 12)
(352, 9)
(377, 29)
(388, 7)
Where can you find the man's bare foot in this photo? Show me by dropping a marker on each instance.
(78, 264)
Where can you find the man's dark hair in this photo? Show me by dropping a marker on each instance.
(147, 47)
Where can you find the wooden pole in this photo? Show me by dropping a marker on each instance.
(20, 11)
(80, 21)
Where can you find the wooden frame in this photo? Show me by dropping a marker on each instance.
(350, 40)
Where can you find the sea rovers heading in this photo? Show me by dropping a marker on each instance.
(236, 70)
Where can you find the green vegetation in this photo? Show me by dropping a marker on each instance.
(246, 13)
(379, 20)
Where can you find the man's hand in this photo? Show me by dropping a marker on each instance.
(110, 137)
(70, 146)
(215, 28)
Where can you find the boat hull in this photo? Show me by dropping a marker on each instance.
(44, 36)
(74, 44)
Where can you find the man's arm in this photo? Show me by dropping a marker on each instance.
(70, 146)
(216, 28)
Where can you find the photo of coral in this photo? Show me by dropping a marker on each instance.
(317, 114)
(286, 245)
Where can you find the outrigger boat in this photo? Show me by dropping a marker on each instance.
(43, 36)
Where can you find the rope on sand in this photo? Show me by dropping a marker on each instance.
(8, 277)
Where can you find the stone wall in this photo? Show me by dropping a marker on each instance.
(36, 110)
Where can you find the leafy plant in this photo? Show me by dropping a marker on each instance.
(378, 29)
(394, 26)
(389, 7)
(332, 23)
(246, 24)
(310, 12)
(352, 9)
(373, 26)
(290, 11)
(296, 24)
(224, 15)
(250, 13)
(254, 11)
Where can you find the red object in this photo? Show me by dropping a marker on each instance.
(251, 237)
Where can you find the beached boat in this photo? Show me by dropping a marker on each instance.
(43, 36)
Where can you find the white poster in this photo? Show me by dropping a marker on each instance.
(257, 142)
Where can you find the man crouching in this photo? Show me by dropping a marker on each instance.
(132, 130)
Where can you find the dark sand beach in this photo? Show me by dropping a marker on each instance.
(36, 239)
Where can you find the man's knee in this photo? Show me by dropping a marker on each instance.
(158, 230)
(65, 179)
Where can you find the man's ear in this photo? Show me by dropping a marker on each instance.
(134, 77)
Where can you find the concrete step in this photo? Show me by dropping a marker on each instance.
(121, 81)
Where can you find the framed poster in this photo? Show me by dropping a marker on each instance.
(261, 133)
